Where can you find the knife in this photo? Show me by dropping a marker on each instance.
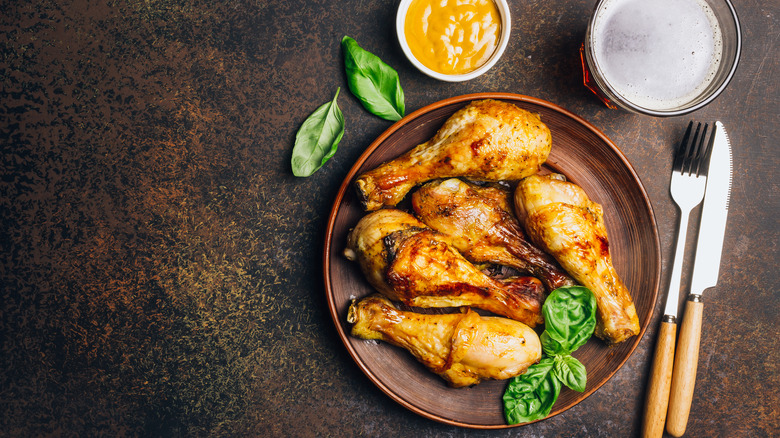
(709, 247)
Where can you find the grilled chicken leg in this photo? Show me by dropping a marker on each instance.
(479, 224)
(486, 140)
(463, 348)
(560, 218)
(409, 262)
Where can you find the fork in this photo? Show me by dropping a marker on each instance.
(689, 179)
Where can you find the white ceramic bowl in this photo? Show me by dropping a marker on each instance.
(506, 24)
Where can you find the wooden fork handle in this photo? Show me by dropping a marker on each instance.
(660, 380)
(685, 364)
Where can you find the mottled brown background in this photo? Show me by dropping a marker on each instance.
(161, 266)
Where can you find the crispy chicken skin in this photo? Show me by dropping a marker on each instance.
(561, 219)
(487, 140)
(479, 223)
(463, 348)
(407, 261)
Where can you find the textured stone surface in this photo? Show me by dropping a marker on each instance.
(161, 267)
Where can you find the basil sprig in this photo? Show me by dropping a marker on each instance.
(569, 318)
(372, 81)
(318, 138)
(532, 395)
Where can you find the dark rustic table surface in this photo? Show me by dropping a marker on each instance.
(161, 269)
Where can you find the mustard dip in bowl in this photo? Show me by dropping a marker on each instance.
(453, 40)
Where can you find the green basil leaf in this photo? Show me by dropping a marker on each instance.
(571, 372)
(318, 138)
(372, 81)
(531, 396)
(569, 319)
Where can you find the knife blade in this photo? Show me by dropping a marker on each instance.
(713, 217)
(709, 248)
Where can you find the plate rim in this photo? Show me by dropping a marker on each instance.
(347, 183)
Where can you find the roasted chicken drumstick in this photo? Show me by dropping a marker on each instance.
(463, 348)
(479, 224)
(561, 219)
(409, 262)
(487, 140)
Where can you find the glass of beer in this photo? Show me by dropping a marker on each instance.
(660, 57)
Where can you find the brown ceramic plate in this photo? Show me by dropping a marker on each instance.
(588, 158)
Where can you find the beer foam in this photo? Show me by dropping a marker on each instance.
(658, 54)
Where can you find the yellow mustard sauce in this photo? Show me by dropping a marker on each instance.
(452, 36)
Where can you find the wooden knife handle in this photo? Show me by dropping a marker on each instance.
(660, 380)
(685, 363)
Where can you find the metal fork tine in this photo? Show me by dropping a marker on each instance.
(705, 158)
(701, 152)
(679, 157)
(690, 150)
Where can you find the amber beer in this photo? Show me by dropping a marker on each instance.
(653, 54)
